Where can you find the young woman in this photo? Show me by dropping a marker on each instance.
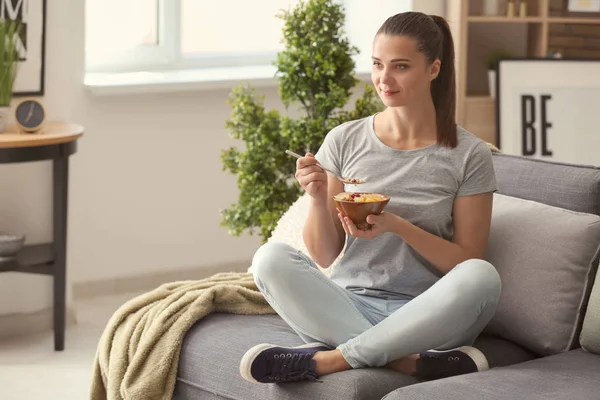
(412, 293)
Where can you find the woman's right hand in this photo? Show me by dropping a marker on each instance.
(311, 177)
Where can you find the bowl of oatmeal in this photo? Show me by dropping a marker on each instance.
(358, 205)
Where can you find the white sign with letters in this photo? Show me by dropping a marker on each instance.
(549, 109)
(584, 5)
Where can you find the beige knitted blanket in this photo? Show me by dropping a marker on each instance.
(138, 353)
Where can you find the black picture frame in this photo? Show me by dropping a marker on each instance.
(30, 79)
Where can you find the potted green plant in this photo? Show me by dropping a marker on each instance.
(492, 67)
(9, 62)
(315, 72)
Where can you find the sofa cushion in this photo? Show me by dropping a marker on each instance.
(572, 375)
(590, 334)
(547, 258)
(289, 229)
(209, 364)
(501, 352)
(570, 186)
(212, 349)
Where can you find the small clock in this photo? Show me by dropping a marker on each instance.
(30, 115)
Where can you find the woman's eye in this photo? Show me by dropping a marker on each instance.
(401, 66)
(376, 63)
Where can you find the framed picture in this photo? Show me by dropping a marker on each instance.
(30, 73)
(548, 109)
(584, 5)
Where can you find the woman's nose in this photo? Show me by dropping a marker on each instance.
(384, 76)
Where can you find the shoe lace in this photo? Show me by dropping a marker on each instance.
(439, 361)
(442, 358)
(292, 366)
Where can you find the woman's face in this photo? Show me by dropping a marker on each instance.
(401, 73)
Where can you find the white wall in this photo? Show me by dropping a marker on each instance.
(146, 184)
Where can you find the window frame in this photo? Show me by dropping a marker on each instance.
(167, 55)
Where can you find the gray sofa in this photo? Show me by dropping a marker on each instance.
(543, 343)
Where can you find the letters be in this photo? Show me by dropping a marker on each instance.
(528, 121)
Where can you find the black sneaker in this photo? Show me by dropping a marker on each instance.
(267, 363)
(443, 364)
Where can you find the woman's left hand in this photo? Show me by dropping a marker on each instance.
(382, 223)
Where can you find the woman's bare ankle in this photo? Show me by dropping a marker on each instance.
(406, 365)
(329, 362)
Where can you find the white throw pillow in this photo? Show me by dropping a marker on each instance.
(289, 229)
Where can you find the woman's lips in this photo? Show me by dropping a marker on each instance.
(389, 92)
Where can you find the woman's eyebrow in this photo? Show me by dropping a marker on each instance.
(394, 60)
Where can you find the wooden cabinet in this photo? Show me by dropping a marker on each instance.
(547, 28)
(480, 117)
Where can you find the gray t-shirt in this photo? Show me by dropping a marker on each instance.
(422, 184)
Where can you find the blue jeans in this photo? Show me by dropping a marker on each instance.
(371, 332)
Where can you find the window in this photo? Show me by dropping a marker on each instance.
(211, 42)
(133, 35)
(123, 33)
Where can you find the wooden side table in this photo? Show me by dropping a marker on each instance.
(57, 142)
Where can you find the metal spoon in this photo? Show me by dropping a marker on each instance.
(351, 181)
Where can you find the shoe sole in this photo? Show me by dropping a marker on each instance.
(477, 356)
(250, 356)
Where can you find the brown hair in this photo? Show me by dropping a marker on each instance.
(434, 39)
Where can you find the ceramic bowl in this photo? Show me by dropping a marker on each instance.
(10, 244)
(358, 211)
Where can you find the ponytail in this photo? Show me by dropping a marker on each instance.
(443, 88)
